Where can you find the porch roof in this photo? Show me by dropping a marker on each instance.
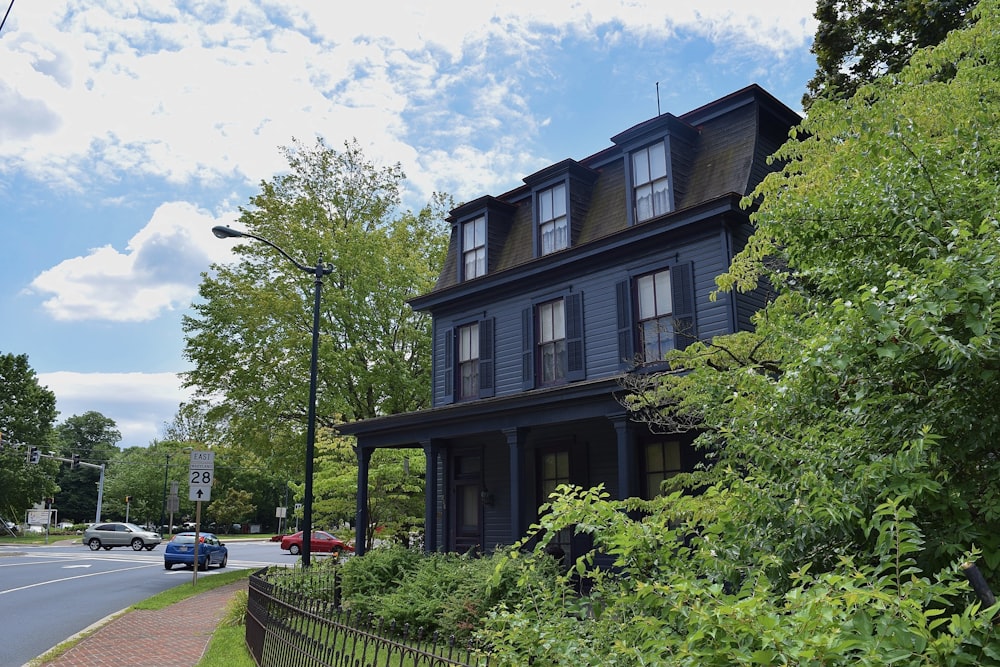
(550, 405)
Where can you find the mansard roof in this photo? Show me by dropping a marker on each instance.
(718, 152)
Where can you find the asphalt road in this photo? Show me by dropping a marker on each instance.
(50, 593)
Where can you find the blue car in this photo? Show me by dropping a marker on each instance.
(180, 551)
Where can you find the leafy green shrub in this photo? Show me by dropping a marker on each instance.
(377, 572)
(236, 610)
(315, 583)
(447, 593)
(663, 604)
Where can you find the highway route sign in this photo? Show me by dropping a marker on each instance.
(201, 474)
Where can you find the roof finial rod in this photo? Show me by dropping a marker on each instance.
(657, 98)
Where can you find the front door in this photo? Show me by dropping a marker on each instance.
(466, 502)
(554, 470)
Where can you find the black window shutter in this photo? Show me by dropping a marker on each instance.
(682, 288)
(486, 357)
(624, 323)
(449, 366)
(527, 350)
(574, 337)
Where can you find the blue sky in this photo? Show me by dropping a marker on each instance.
(129, 128)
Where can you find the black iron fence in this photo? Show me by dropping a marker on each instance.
(294, 619)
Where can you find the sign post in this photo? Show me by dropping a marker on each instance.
(280, 513)
(201, 474)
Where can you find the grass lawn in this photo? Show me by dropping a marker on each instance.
(228, 648)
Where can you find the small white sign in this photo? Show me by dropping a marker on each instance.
(202, 460)
(201, 474)
(39, 517)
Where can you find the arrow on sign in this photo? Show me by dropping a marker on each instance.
(199, 493)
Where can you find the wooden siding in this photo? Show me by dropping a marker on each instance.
(708, 259)
(748, 303)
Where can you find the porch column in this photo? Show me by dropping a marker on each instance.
(430, 495)
(627, 469)
(361, 520)
(516, 438)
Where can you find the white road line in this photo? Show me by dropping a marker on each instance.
(79, 576)
(49, 559)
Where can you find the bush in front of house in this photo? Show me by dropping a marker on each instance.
(442, 592)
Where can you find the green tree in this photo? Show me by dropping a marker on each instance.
(144, 473)
(851, 438)
(238, 469)
(192, 423)
(857, 41)
(889, 325)
(94, 438)
(27, 414)
(250, 336)
(233, 507)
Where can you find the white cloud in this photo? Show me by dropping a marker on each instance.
(210, 92)
(138, 403)
(159, 270)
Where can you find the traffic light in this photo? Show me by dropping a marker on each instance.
(128, 500)
(34, 455)
(76, 462)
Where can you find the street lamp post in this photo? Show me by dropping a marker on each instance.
(318, 272)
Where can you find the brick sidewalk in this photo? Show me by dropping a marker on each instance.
(175, 636)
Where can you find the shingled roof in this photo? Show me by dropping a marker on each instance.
(716, 150)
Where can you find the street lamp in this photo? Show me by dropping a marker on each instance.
(318, 272)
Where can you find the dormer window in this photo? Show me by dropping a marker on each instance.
(650, 185)
(474, 248)
(553, 227)
(560, 196)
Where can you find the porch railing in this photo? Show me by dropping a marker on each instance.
(294, 620)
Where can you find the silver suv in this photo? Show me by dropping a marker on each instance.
(119, 534)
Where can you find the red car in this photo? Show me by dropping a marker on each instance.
(321, 542)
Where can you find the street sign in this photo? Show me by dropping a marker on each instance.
(201, 474)
(39, 517)
(173, 502)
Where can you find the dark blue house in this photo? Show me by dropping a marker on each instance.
(554, 291)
